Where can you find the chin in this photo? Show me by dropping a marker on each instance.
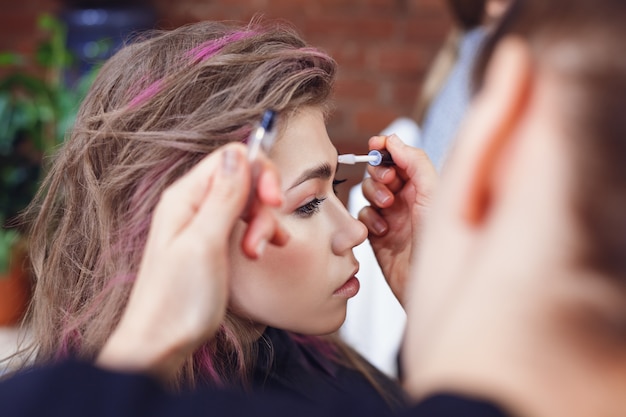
(321, 328)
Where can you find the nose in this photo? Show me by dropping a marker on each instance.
(350, 231)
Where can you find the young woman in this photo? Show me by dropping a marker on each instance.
(157, 108)
(519, 290)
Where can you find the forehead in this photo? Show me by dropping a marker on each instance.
(303, 143)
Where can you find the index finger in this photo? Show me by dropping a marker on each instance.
(413, 163)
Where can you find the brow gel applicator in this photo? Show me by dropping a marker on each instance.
(374, 158)
(261, 138)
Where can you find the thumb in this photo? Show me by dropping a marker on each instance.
(414, 163)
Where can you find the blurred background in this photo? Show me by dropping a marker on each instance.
(383, 47)
(48, 49)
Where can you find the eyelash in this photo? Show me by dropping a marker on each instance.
(336, 183)
(313, 206)
(310, 208)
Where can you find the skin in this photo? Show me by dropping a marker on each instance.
(302, 286)
(503, 216)
(400, 198)
(183, 285)
(496, 288)
(494, 9)
(499, 305)
(165, 321)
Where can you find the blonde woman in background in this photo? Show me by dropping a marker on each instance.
(447, 90)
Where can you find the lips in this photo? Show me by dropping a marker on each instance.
(350, 288)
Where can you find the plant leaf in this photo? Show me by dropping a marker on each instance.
(8, 237)
(8, 59)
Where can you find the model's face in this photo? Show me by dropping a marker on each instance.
(304, 286)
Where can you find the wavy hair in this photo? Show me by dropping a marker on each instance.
(157, 107)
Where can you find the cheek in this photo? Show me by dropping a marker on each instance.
(294, 261)
(281, 273)
(302, 263)
(288, 288)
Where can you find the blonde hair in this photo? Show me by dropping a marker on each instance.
(467, 15)
(437, 74)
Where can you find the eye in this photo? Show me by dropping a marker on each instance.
(336, 183)
(310, 208)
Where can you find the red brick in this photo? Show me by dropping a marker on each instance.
(314, 8)
(383, 48)
(372, 120)
(343, 29)
(428, 31)
(32, 6)
(356, 89)
(351, 142)
(404, 93)
(347, 55)
(19, 23)
(401, 60)
(427, 7)
(386, 6)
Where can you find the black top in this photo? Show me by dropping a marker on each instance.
(73, 389)
(304, 372)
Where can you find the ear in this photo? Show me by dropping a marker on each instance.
(499, 107)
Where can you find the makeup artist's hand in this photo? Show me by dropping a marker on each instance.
(180, 293)
(400, 196)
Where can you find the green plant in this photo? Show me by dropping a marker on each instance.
(38, 104)
(8, 238)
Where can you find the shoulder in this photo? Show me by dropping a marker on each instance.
(452, 405)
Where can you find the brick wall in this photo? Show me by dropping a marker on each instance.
(383, 48)
(18, 23)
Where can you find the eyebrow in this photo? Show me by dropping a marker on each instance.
(323, 171)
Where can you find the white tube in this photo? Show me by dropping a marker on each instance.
(352, 159)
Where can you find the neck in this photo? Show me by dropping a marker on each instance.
(563, 349)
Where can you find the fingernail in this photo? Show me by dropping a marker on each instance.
(260, 248)
(230, 161)
(379, 227)
(382, 173)
(381, 197)
(394, 139)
